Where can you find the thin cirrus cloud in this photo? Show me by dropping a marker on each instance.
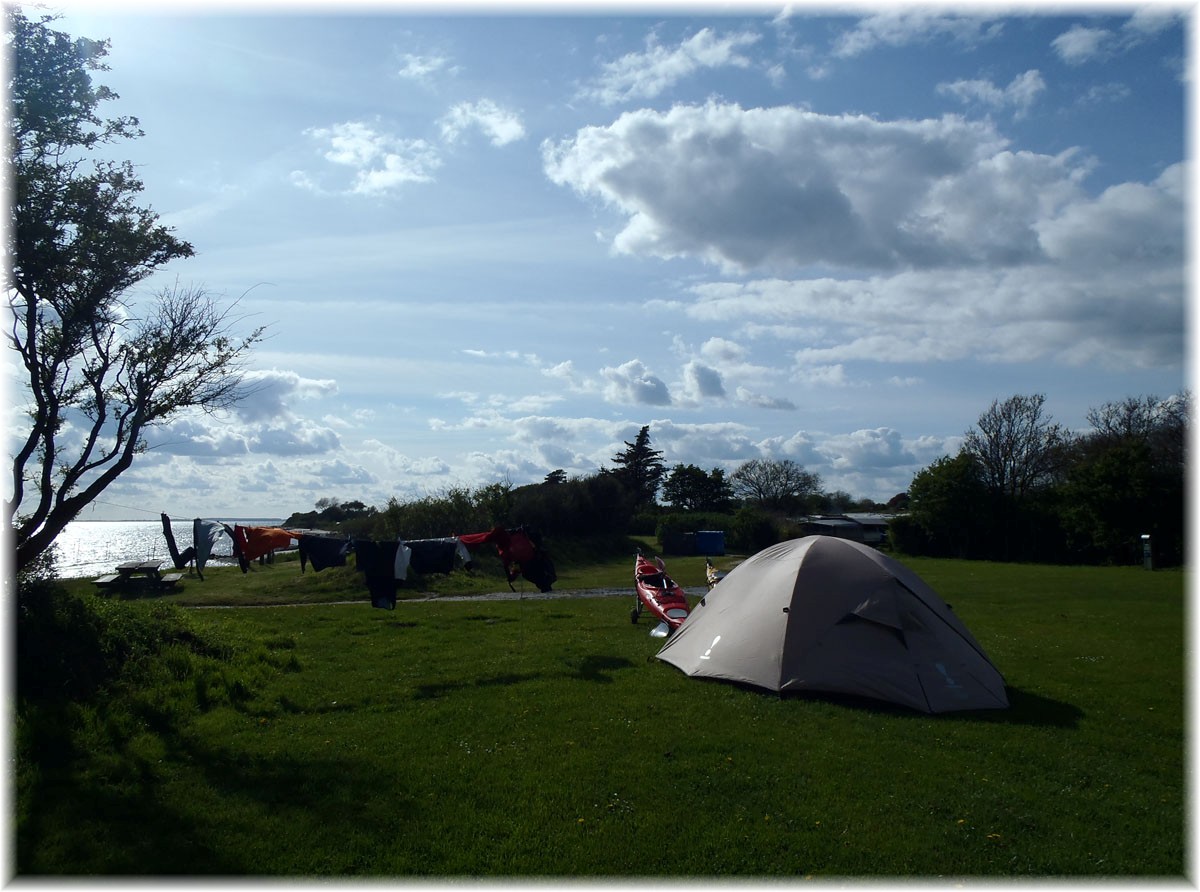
(422, 69)
(1081, 44)
(1019, 95)
(648, 74)
(908, 25)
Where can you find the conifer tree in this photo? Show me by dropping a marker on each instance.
(640, 468)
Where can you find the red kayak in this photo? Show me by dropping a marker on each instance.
(660, 594)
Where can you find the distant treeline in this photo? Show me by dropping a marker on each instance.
(1022, 488)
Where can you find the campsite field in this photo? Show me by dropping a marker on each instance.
(541, 738)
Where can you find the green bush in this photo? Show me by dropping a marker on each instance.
(907, 536)
(752, 530)
(691, 522)
(453, 513)
(645, 523)
(588, 506)
(71, 646)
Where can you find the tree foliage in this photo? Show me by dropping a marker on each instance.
(597, 504)
(948, 501)
(332, 514)
(1022, 488)
(694, 489)
(1106, 488)
(1128, 479)
(98, 372)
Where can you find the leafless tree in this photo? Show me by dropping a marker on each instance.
(773, 483)
(1019, 449)
(1160, 424)
(95, 384)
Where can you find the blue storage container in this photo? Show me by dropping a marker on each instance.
(710, 542)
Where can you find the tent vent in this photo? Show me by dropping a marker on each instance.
(785, 610)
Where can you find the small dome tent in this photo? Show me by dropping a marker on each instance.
(833, 615)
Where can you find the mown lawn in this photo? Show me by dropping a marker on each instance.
(539, 738)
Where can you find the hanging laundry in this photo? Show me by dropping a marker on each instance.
(231, 532)
(323, 551)
(438, 555)
(204, 534)
(258, 541)
(377, 562)
(403, 560)
(521, 553)
(178, 558)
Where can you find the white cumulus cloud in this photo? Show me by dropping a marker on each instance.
(633, 383)
(380, 162)
(501, 126)
(778, 187)
(1081, 44)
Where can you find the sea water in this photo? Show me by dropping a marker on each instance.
(95, 547)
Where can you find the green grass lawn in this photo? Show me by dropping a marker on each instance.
(541, 738)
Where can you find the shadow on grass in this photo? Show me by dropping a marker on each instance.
(489, 619)
(138, 591)
(432, 691)
(1025, 708)
(335, 810)
(598, 668)
(114, 821)
(125, 822)
(595, 668)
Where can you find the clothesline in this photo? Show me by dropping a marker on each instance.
(146, 511)
(382, 563)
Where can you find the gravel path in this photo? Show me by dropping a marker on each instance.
(546, 596)
(490, 596)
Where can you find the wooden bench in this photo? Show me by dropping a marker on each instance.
(106, 581)
(169, 580)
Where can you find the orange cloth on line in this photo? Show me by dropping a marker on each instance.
(257, 541)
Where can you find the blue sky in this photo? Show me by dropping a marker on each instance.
(495, 243)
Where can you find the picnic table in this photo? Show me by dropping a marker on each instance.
(139, 573)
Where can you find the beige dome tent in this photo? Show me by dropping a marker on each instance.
(828, 614)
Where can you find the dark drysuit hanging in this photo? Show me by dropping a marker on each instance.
(323, 551)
